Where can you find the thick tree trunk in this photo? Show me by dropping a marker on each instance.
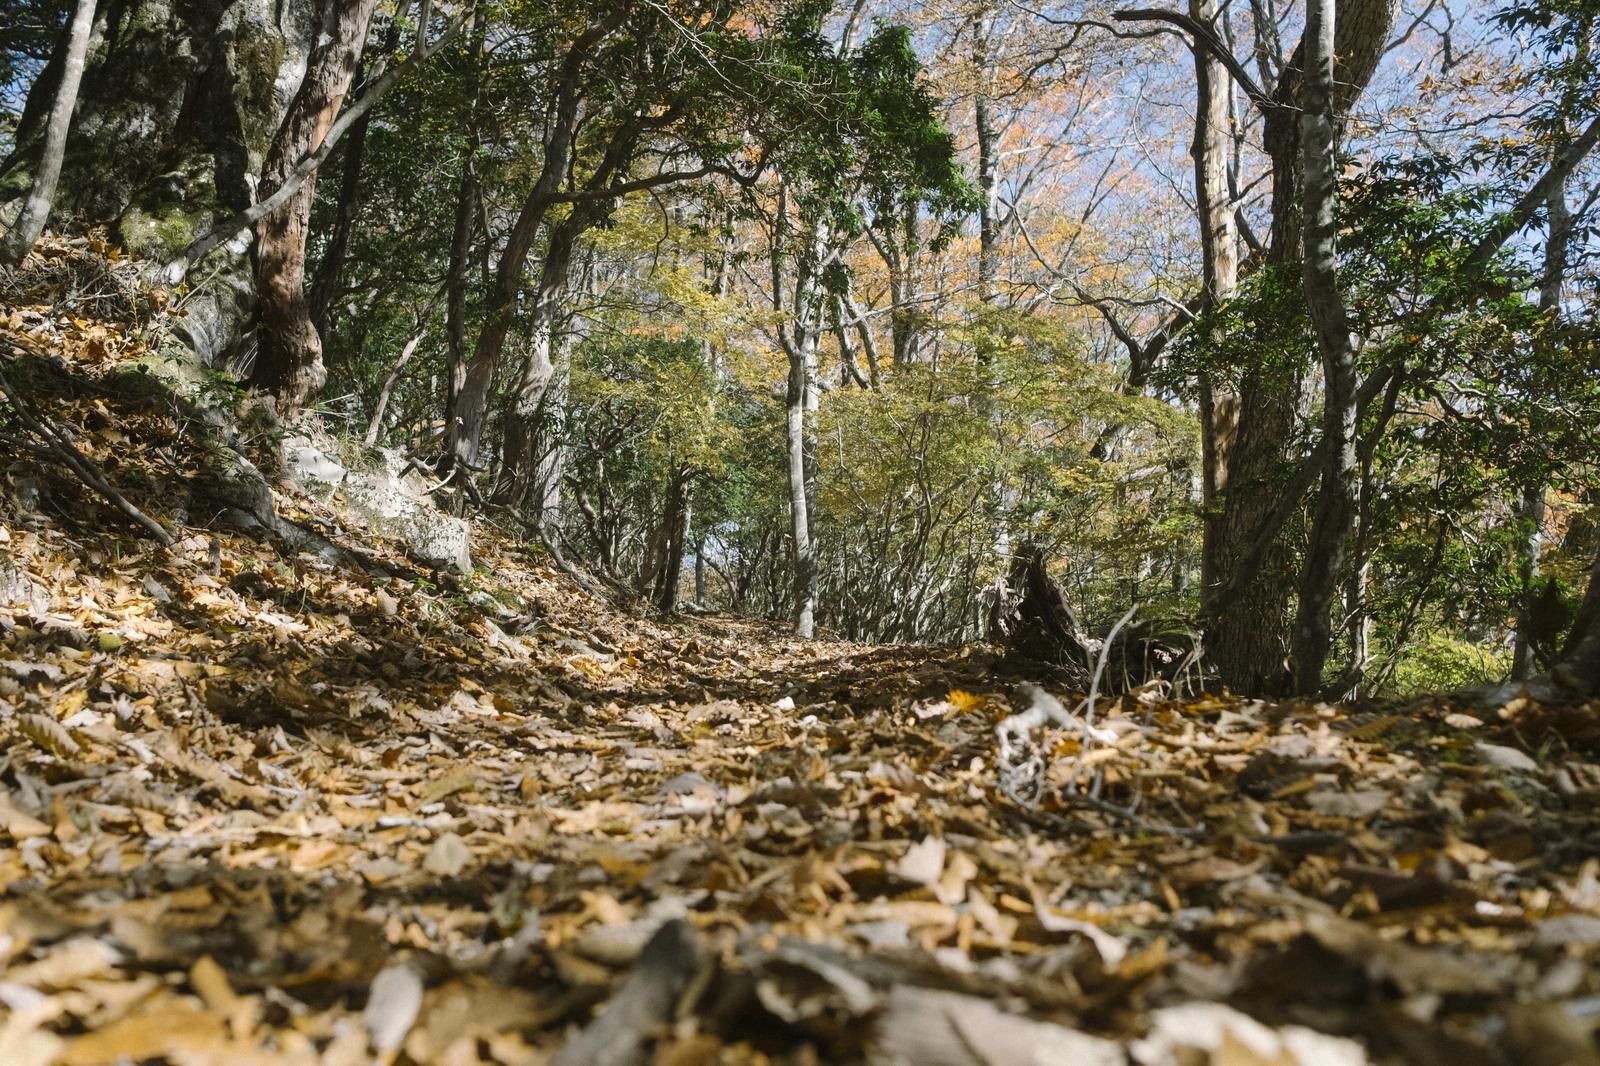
(541, 464)
(534, 417)
(30, 223)
(1245, 638)
(1326, 556)
(288, 361)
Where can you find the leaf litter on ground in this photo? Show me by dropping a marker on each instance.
(258, 806)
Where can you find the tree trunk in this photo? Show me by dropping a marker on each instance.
(330, 270)
(1531, 506)
(29, 225)
(700, 572)
(455, 300)
(1245, 639)
(1579, 668)
(472, 402)
(534, 416)
(801, 438)
(1326, 556)
(409, 349)
(288, 362)
(675, 524)
(1219, 244)
(988, 134)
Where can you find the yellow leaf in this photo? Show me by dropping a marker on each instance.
(967, 702)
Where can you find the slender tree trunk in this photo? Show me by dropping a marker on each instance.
(1531, 506)
(700, 572)
(330, 270)
(988, 134)
(463, 229)
(407, 351)
(801, 431)
(29, 225)
(1326, 556)
(801, 451)
(675, 525)
(288, 361)
(1219, 244)
(455, 301)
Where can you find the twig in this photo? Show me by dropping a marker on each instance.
(80, 464)
(1099, 670)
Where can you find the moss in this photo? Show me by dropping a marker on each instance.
(167, 215)
(157, 236)
(257, 58)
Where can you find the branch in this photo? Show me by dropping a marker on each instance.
(1204, 37)
(665, 177)
(1512, 222)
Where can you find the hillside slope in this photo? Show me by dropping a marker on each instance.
(309, 800)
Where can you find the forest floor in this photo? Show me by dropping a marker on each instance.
(262, 807)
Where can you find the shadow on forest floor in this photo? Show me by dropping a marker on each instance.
(266, 808)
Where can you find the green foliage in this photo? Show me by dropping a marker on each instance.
(1442, 663)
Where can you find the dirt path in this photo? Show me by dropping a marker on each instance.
(263, 808)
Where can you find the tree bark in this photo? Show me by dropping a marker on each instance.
(464, 228)
(988, 134)
(330, 270)
(1219, 245)
(800, 405)
(675, 528)
(1531, 507)
(1579, 668)
(472, 401)
(288, 362)
(1322, 572)
(29, 224)
(532, 406)
(1246, 638)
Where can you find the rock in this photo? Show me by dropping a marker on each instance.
(392, 506)
(381, 498)
(310, 468)
(1568, 929)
